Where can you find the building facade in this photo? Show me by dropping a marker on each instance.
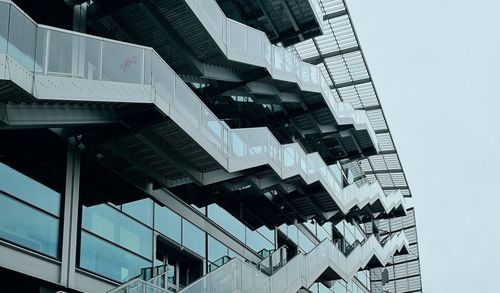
(196, 146)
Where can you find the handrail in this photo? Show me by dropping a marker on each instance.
(246, 44)
(157, 273)
(274, 261)
(118, 72)
(301, 271)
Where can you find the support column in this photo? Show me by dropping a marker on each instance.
(70, 218)
(80, 18)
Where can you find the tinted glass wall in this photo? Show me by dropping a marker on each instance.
(32, 179)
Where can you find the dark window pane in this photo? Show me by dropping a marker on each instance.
(109, 260)
(168, 223)
(27, 189)
(116, 227)
(28, 227)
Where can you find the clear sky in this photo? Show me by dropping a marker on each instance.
(436, 67)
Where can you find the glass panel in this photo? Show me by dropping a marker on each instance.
(227, 221)
(22, 36)
(278, 58)
(142, 210)
(124, 63)
(293, 233)
(304, 243)
(269, 234)
(41, 46)
(109, 260)
(238, 145)
(112, 225)
(168, 223)
(28, 227)
(74, 55)
(4, 26)
(193, 238)
(257, 242)
(18, 185)
(216, 249)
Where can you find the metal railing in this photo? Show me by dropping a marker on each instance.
(53, 64)
(274, 261)
(301, 271)
(245, 44)
(150, 280)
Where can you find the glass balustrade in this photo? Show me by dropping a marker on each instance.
(248, 45)
(64, 54)
(275, 274)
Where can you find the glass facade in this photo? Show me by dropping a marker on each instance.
(168, 223)
(257, 240)
(108, 223)
(109, 260)
(29, 212)
(193, 238)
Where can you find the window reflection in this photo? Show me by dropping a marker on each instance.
(109, 260)
(216, 249)
(142, 210)
(257, 242)
(110, 224)
(21, 186)
(168, 223)
(28, 227)
(227, 221)
(193, 237)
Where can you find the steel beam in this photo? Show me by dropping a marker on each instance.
(45, 116)
(335, 14)
(350, 83)
(152, 12)
(383, 171)
(292, 20)
(318, 59)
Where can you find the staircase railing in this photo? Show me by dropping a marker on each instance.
(150, 280)
(273, 261)
(299, 272)
(55, 64)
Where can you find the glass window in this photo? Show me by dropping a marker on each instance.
(304, 243)
(293, 233)
(216, 249)
(168, 223)
(116, 227)
(227, 221)
(269, 234)
(108, 260)
(18, 185)
(193, 238)
(257, 242)
(142, 210)
(28, 227)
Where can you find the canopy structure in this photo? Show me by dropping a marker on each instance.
(339, 56)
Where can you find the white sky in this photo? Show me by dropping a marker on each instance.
(436, 65)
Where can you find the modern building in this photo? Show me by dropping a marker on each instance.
(196, 146)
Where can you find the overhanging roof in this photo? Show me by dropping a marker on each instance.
(339, 56)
